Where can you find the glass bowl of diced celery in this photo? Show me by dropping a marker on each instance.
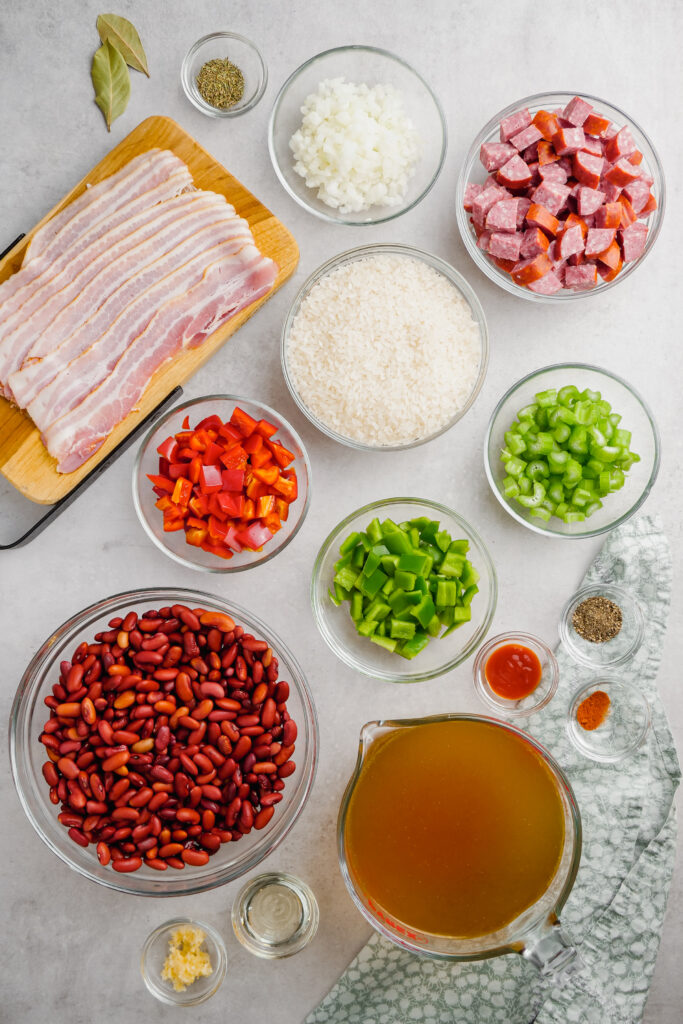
(403, 589)
(571, 450)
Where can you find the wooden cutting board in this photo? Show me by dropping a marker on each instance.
(23, 458)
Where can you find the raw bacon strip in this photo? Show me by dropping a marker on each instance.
(206, 228)
(166, 180)
(108, 335)
(187, 320)
(65, 311)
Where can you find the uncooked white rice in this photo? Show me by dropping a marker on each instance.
(384, 350)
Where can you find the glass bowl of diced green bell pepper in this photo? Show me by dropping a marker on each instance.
(571, 450)
(403, 590)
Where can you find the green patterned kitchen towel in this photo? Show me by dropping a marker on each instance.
(615, 911)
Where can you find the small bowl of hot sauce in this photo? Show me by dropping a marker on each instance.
(516, 674)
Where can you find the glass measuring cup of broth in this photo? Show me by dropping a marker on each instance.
(459, 838)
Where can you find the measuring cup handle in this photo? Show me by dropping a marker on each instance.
(550, 953)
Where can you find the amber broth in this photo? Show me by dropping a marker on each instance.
(454, 828)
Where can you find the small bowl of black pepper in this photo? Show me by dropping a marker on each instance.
(602, 626)
(224, 74)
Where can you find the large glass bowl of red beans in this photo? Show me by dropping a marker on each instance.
(163, 741)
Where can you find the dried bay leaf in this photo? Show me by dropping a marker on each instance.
(111, 81)
(123, 35)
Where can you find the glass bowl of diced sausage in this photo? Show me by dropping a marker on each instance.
(560, 196)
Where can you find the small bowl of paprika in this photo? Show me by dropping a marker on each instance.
(516, 674)
(608, 720)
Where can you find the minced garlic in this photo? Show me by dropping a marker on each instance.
(186, 960)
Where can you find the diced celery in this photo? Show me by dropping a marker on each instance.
(622, 437)
(592, 507)
(578, 440)
(543, 444)
(541, 513)
(548, 398)
(567, 395)
(616, 480)
(574, 517)
(561, 432)
(510, 487)
(528, 412)
(534, 499)
(590, 396)
(538, 470)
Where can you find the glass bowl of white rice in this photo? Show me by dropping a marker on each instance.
(357, 136)
(385, 347)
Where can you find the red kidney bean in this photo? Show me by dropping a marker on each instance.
(263, 817)
(127, 864)
(79, 837)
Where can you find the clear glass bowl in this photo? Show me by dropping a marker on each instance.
(154, 954)
(637, 417)
(27, 754)
(620, 648)
(242, 52)
(440, 655)
(174, 544)
(624, 729)
(363, 252)
(256, 913)
(371, 66)
(472, 170)
(544, 692)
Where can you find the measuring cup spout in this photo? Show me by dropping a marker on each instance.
(550, 952)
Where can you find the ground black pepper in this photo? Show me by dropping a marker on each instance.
(597, 619)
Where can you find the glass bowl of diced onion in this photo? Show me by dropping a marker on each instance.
(361, 65)
(174, 543)
(631, 413)
(472, 171)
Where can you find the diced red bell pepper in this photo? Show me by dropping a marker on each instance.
(177, 469)
(282, 455)
(282, 509)
(168, 448)
(265, 428)
(193, 521)
(171, 525)
(198, 442)
(199, 505)
(217, 529)
(260, 458)
(256, 489)
(267, 475)
(162, 482)
(253, 443)
(213, 422)
(186, 454)
(163, 503)
(182, 492)
(196, 536)
(195, 469)
(265, 505)
(231, 539)
(212, 454)
(234, 457)
(287, 488)
(249, 510)
(210, 479)
(186, 423)
(233, 479)
(272, 521)
(230, 433)
(245, 423)
(231, 503)
(255, 536)
(216, 549)
(164, 466)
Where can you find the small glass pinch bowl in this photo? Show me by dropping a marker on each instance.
(243, 53)
(612, 652)
(360, 65)
(440, 655)
(147, 462)
(154, 954)
(624, 729)
(539, 697)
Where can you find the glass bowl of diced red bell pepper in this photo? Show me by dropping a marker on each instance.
(221, 483)
(605, 119)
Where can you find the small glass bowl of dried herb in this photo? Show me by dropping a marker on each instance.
(224, 74)
(608, 720)
(602, 626)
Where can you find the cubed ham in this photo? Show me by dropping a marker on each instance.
(472, 190)
(628, 214)
(633, 239)
(570, 241)
(576, 111)
(593, 146)
(514, 174)
(546, 123)
(538, 216)
(546, 285)
(523, 205)
(596, 125)
(484, 201)
(620, 145)
(505, 246)
(568, 141)
(483, 240)
(530, 154)
(502, 216)
(588, 200)
(611, 256)
(598, 240)
(534, 242)
(608, 216)
(494, 154)
(546, 154)
(622, 173)
(550, 195)
(553, 172)
(587, 168)
(612, 192)
(533, 170)
(526, 137)
(513, 124)
(530, 270)
(650, 206)
(581, 278)
(638, 194)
